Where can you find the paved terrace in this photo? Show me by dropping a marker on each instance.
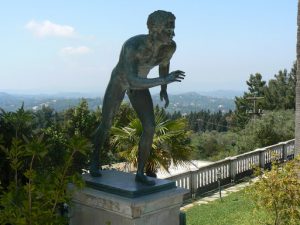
(186, 167)
(162, 173)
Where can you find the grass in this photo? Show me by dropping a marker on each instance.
(235, 209)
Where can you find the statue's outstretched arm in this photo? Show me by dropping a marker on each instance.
(163, 70)
(138, 83)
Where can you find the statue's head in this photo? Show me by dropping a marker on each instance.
(161, 25)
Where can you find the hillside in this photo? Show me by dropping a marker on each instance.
(184, 103)
(193, 101)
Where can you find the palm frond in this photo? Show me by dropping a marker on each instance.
(170, 142)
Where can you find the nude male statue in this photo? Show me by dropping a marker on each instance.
(138, 56)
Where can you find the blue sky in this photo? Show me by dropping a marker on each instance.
(63, 46)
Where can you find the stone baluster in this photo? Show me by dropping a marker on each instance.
(233, 168)
(194, 183)
(284, 152)
(262, 158)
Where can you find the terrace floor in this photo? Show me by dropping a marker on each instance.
(180, 169)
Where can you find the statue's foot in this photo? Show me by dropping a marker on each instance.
(144, 179)
(95, 173)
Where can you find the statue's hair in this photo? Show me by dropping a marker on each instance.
(160, 18)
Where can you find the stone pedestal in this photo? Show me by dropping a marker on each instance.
(101, 207)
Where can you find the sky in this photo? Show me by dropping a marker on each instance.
(72, 46)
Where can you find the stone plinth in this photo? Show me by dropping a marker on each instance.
(99, 207)
(123, 184)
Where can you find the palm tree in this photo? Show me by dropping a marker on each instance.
(297, 114)
(171, 143)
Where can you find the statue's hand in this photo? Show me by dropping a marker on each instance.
(177, 76)
(164, 96)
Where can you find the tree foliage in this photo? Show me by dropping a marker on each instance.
(37, 161)
(271, 128)
(277, 94)
(36, 194)
(213, 145)
(277, 191)
(256, 88)
(207, 121)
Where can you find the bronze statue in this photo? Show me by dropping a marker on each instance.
(138, 56)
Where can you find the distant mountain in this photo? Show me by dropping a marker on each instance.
(10, 102)
(222, 93)
(194, 102)
(184, 103)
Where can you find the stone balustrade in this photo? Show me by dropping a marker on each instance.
(233, 169)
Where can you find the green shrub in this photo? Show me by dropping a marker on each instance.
(278, 192)
(35, 195)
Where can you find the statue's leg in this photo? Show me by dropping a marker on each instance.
(112, 100)
(142, 103)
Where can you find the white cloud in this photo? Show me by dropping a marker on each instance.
(75, 50)
(47, 28)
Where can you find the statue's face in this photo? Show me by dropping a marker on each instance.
(166, 35)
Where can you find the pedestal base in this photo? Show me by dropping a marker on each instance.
(94, 207)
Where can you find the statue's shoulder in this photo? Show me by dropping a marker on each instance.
(135, 41)
(134, 47)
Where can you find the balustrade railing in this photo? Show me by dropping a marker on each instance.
(233, 169)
